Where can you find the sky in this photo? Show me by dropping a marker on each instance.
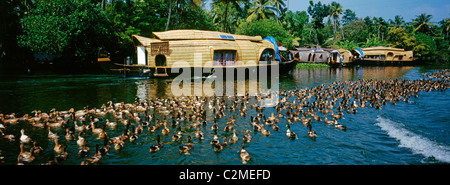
(387, 9)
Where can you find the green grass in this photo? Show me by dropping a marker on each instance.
(311, 66)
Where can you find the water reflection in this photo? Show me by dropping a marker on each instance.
(308, 77)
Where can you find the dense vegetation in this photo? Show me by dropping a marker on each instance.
(76, 29)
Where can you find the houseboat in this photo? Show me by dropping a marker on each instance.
(386, 55)
(195, 49)
(340, 57)
(311, 55)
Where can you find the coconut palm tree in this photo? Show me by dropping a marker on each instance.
(398, 21)
(422, 23)
(261, 9)
(335, 11)
(194, 3)
(279, 5)
(235, 4)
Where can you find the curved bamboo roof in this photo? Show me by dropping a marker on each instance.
(202, 35)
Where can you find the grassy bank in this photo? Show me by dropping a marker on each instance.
(311, 66)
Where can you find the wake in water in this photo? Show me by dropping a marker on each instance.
(417, 143)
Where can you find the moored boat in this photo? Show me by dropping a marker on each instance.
(172, 52)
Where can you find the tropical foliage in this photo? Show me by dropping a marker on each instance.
(78, 28)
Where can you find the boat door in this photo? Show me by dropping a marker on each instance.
(142, 55)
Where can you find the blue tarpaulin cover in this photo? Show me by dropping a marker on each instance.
(274, 42)
(361, 52)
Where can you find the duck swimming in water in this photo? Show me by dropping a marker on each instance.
(289, 133)
(158, 146)
(24, 138)
(185, 149)
(245, 156)
(247, 137)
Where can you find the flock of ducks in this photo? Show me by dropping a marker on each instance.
(184, 119)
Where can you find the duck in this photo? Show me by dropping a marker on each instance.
(337, 116)
(245, 156)
(111, 124)
(247, 137)
(25, 157)
(289, 133)
(271, 118)
(215, 126)
(9, 137)
(105, 148)
(218, 147)
(342, 127)
(133, 137)
(24, 138)
(317, 118)
(58, 147)
(157, 147)
(103, 133)
(81, 128)
(264, 131)
(69, 135)
(234, 139)
(153, 127)
(166, 130)
(84, 150)
(62, 156)
(81, 140)
(312, 134)
(178, 136)
(118, 145)
(58, 124)
(139, 129)
(331, 122)
(275, 127)
(185, 149)
(94, 159)
(215, 139)
(229, 127)
(52, 135)
(95, 130)
(39, 125)
(199, 134)
(36, 148)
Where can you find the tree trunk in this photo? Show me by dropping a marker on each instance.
(103, 4)
(335, 37)
(226, 15)
(178, 14)
(170, 14)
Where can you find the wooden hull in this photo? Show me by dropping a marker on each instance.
(167, 72)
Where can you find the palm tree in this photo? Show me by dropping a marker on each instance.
(194, 3)
(261, 9)
(234, 3)
(398, 21)
(279, 5)
(422, 23)
(335, 11)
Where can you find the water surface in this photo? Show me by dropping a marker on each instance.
(416, 132)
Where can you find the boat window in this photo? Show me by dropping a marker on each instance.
(382, 57)
(224, 57)
(400, 57)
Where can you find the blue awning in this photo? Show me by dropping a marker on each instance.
(360, 52)
(275, 45)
